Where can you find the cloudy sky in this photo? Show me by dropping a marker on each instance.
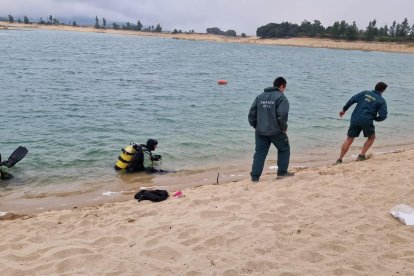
(239, 15)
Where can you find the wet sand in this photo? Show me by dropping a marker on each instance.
(19, 197)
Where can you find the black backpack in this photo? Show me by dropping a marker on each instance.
(153, 195)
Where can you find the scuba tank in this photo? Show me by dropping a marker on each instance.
(125, 157)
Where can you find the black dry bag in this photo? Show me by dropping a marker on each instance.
(153, 195)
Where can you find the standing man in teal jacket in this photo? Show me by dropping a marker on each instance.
(268, 116)
(370, 107)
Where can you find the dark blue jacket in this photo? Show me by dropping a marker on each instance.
(370, 107)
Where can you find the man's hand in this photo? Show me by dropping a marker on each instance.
(341, 113)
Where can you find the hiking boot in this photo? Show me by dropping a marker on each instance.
(255, 180)
(284, 175)
(360, 158)
(339, 161)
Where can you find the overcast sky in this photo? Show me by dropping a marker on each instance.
(239, 15)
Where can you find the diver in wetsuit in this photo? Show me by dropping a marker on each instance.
(138, 158)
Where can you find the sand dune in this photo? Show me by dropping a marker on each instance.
(330, 220)
(300, 42)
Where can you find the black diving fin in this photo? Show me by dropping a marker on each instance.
(17, 155)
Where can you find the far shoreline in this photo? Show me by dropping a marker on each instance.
(297, 41)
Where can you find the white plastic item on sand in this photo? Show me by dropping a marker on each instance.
(109, 193)
(6, 215)
(148, 188)
(404, 213)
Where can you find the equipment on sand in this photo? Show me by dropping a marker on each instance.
(153, 195)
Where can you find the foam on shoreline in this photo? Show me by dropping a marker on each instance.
(123, 187)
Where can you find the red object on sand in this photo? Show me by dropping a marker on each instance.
(178, 194)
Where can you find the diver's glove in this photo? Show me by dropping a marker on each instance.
(5, 173)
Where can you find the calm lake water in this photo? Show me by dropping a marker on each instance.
(75, 99)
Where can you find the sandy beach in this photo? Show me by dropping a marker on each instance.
(328, 220)
(299, 42)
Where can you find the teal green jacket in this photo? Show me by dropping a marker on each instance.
(268, 114)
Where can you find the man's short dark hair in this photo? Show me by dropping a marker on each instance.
(381, 86)
(279, 81)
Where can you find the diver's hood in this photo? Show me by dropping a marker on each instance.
(151, 143)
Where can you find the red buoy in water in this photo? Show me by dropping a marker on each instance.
(222, 82)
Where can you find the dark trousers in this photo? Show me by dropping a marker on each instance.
(281, 142)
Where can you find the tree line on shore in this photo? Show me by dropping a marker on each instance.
(102, 24)
(217, 31)
(398, 32)
(98, 24)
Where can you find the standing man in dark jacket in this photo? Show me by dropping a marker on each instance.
(370, 107)
(268, 116)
